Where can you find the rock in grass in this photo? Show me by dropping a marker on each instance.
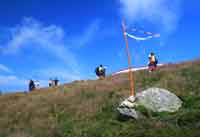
(126, 108)
(154, 99)
(158, 100)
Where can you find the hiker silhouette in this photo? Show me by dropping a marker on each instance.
(100, 72)
(31, 85)
(152, 64)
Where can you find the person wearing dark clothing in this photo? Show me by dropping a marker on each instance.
(31, 85)
(100, 72)
(56, 82)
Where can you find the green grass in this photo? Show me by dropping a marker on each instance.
(88, 108)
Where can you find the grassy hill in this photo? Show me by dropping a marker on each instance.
(88, 108)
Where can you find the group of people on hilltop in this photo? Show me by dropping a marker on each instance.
(53, 82)
(100, 72)
(152, 65)
(36, 84)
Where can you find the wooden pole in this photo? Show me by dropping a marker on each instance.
(132, 92)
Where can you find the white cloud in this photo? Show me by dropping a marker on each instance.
(164, 13)
(12, 82)
(8, 82)
(49, 39)
(59, 73)
(87, 35)
(5, 69)
(8, 79)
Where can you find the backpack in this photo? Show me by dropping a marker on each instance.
(97, 71)
(156, 61)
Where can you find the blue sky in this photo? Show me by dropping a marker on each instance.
(67, 39)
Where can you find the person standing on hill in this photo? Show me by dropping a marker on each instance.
(100, 72)
(50, 82)
(31, 85)
(56, 82)
(152, 62)
(37, 84)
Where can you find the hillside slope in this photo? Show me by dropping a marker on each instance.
(88, 108)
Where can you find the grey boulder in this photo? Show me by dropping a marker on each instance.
(154, 99)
